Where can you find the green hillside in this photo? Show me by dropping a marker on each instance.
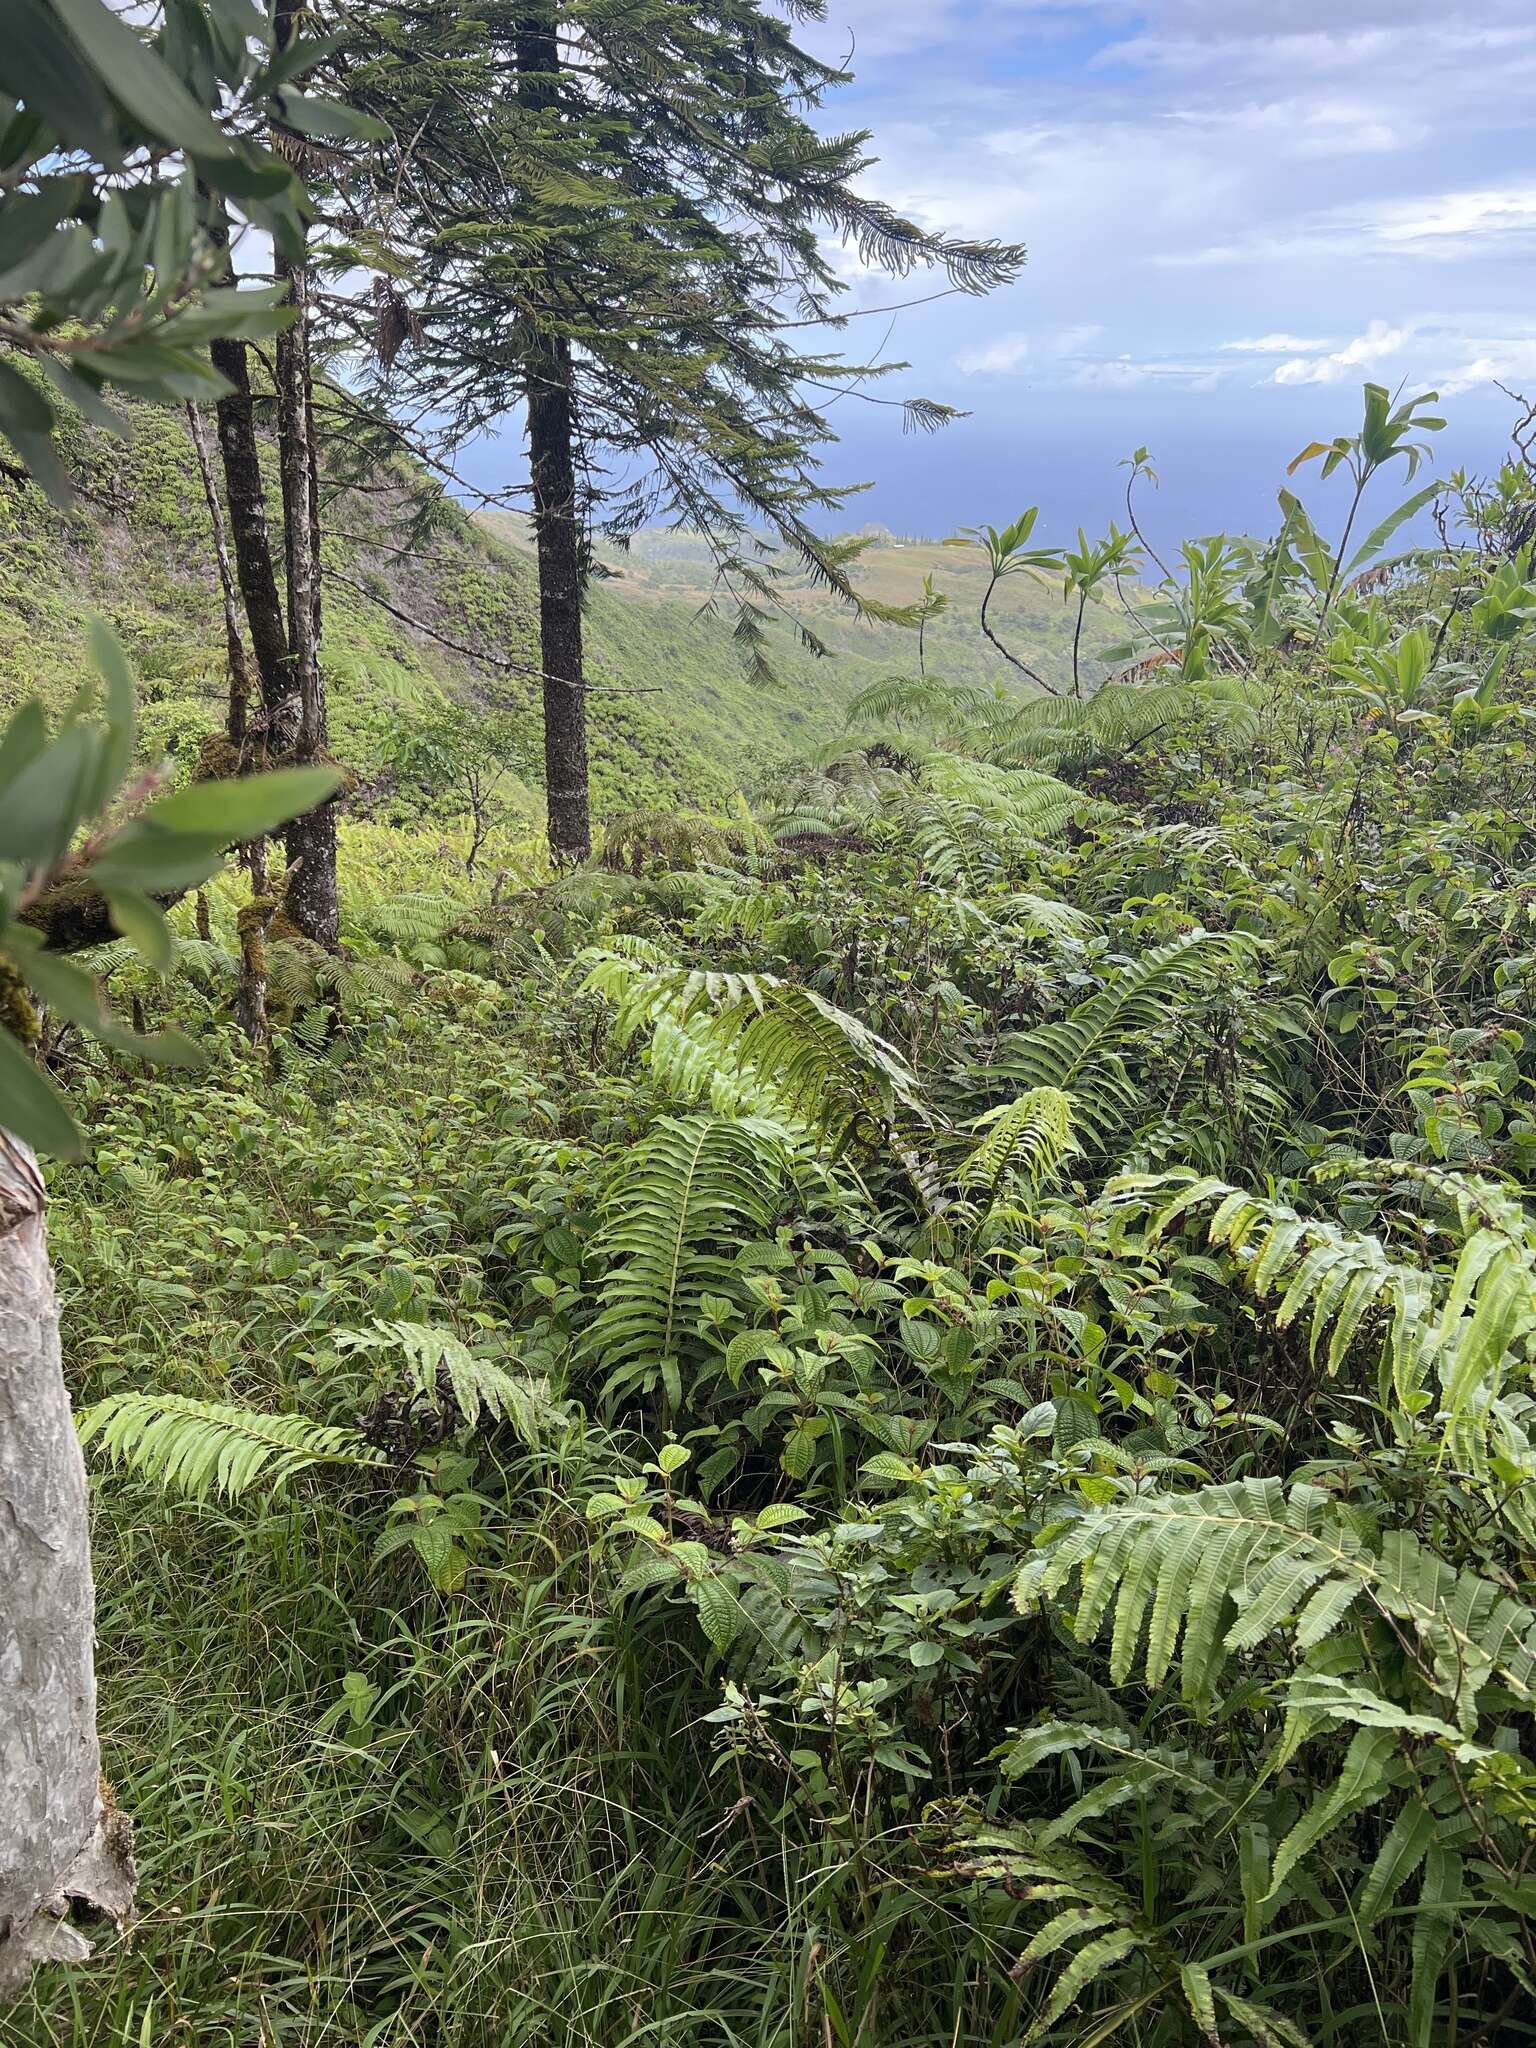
(674, 715)
(1027, 613)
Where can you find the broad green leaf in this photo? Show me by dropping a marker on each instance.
(43, 66)
(121, 712)
(719, 1611)
(143, 856)
(31, 1108)
(47, 800)
(233, 811)
(139, 79)
(22, 741)
(143, 924)
(329, 117)
(1378, 537)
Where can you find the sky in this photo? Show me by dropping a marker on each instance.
(1235, 211)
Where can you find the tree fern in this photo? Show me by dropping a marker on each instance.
(194, 1447)
(970, 819)
(924, 701)
(1066, 733)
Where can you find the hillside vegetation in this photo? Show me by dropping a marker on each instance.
(675, 718)
(897, 1417)
(1029, 614)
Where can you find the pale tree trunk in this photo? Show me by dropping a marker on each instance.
(61, 1840)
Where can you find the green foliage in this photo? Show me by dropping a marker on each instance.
(119, 153)
(196, 1447)
(692, 1184)
(53, 787)
(944, 1367)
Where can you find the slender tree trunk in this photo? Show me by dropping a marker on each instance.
(1077, 642)
(310, 896)
(560, 594)
(246, 490)
(557, 533)
(252, 923)
(60, 1838)
(234, 640)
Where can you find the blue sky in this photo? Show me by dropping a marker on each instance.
(1236, 211)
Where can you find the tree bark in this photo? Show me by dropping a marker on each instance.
(246, 491)
(310, 894)
(251, 988)
(556, 512)
(60, 1837)
(234, 640)
(558, 542)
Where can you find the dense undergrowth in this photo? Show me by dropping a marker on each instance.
(900, 1416)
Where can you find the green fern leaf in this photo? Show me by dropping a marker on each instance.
(194, 1447)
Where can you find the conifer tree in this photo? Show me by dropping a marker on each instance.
(618, 218)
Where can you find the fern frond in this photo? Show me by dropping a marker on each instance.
(1082, 1054)
(439, 1363)
(1463, 1337)
(1041, 917)
(689, 1189)
(924, 701)
(190, 1447)
(1195, 1578)
(1061, 733)
(414, 916)
(830, 1072)
(1028, 1137)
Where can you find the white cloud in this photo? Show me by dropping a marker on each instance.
(1277, 345)
(1009, 352)
(1468, 216)
(1378, 343)
(1333, 184)
(1125, 373)
(1510, 360)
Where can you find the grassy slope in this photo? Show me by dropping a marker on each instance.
(678, 719)
(1027, 612)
